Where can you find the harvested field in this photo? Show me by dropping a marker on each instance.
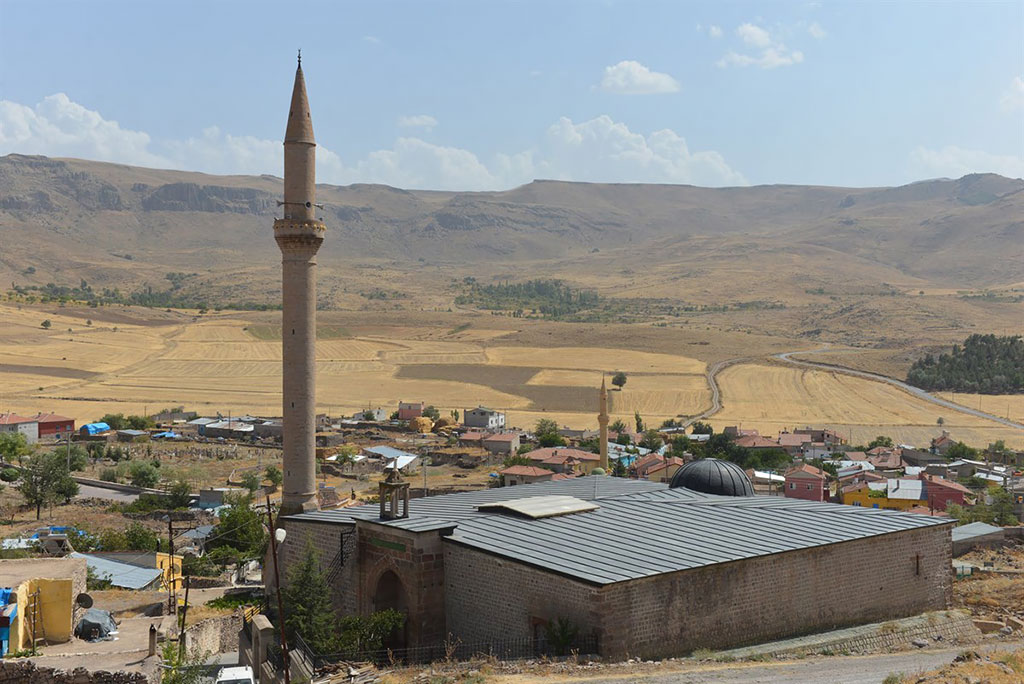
(593, 359)
(1006, 405)
(770, 398)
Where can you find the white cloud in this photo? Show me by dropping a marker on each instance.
(603, 150)
(953, 162)
(373, 40)
(1013, 99)
(417, 121)
(816, 30)
(715, 31)
(599, 150)
(769, 53)
(633, 78)
(754, 35)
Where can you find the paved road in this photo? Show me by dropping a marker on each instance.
(90, 492)
(716, 393)
(872, 669)
(920, 393)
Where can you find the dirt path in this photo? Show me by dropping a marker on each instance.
(786, 357)
(716, 392)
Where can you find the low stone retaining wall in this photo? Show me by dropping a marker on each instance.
(27, 672)
(947, 628)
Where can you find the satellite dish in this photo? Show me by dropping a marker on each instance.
(84, 600)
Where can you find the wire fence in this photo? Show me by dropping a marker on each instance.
(504, 649)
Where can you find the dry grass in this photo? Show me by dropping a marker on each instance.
(995, 667)
(770, 398)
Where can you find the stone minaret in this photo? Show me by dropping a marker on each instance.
(299, 235)
(602, 420)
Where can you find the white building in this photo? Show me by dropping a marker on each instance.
(11, 422)
(485, 418)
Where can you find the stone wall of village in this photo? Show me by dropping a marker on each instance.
(27, 672)
(761, 599)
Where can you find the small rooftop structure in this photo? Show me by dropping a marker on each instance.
(122, 575)
(537, 507)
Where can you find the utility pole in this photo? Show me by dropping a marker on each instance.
(171, 597)
(184, 614)
(277, 586)
(69, 453)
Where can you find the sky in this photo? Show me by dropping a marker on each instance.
(489, 95)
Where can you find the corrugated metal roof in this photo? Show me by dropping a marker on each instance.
(640, 529)
(975, 529)
(389, 452)
(121, 574)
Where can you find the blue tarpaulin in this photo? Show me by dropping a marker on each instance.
(96, 428)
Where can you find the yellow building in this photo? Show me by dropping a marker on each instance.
(862, 495)
(41, 600)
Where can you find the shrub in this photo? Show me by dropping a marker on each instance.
(9, 474)
(144, 474)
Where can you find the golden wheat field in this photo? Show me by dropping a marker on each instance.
(137, 361)
(770, 398)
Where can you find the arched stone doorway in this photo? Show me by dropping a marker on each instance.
(390, 593)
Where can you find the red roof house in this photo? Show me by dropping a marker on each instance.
(806, 482)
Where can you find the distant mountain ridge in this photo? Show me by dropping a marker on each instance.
(968, 230)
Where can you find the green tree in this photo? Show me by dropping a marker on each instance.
(182, 668)
(651, 440)
(65, 488)
(431, 412)
(307, 596)
(368, 415)
(639, 422)
(143, 474)
(116, 421)
(546, 432)
(273, 475)
(618, 468)
(881, 441)
(179, 495)
(960, 451)
(241, 528)
(619, 379)
(43, 481)
(251, 481)
(701, 428)
(14, 447)
(140, 422)
(516, 460)
(678, 446)
(138, 537)
(617, 426)
(46, 324)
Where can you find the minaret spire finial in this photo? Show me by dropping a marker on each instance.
(300, 58)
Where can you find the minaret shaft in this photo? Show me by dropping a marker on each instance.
(299, 235)
(602, 421)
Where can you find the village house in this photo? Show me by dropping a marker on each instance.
(15, 424)
(54, 426)
(942, 493)
(520, 474)
(942, 443)
(484, 418)
(640, 467)
(664, 470)
(920, 459)
(472, 438)
(825, 436)
(893, 494)
(502, 444)
(792, 443)
(756, 443)
(565, 460)
(409, 410)
(806, 482)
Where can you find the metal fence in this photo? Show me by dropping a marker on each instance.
(506, 649)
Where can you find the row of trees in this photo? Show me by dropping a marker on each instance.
(986, 364)
(551, 298)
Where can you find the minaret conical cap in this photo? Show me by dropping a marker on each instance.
(300, 124)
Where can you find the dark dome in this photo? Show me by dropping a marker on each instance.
(712, 476)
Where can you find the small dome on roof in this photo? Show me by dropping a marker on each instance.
(713, 476)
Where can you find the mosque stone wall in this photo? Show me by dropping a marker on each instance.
(772, 597)
(326, 540)
(489, 598)
(492, 599)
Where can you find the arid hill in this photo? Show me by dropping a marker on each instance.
(109, 223)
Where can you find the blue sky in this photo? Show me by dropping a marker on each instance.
(489, 95)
